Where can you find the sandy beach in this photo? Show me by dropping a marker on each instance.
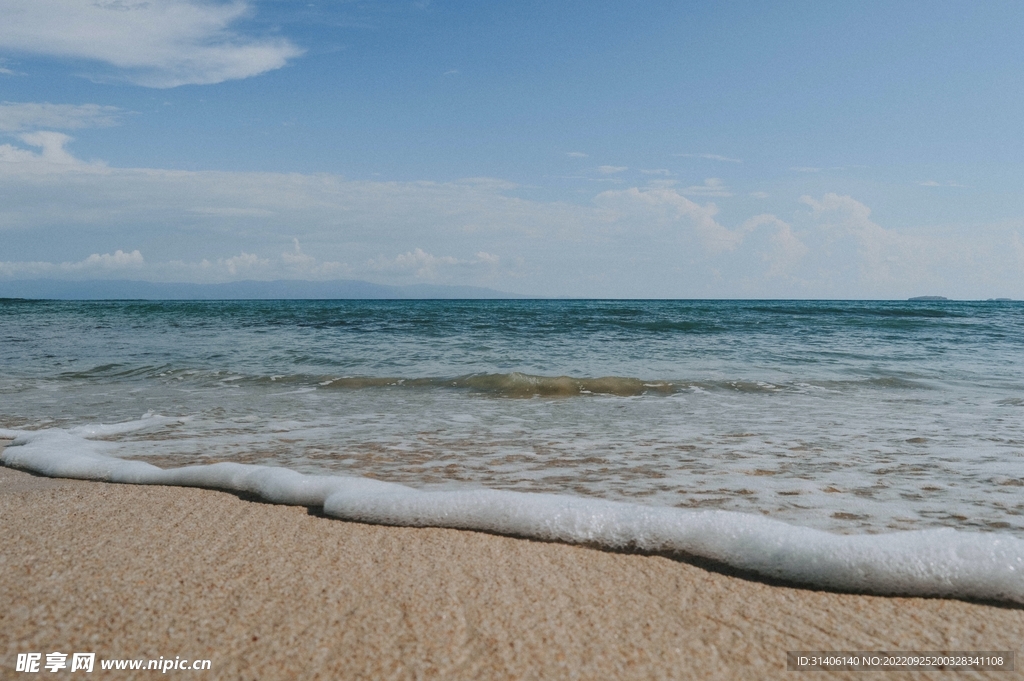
(275, 592)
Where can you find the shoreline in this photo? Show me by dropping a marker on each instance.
(270, 591)
(935, 562)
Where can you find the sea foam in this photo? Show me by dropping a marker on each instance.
(934, 562)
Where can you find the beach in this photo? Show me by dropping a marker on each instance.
(415, 340)
(267, 591)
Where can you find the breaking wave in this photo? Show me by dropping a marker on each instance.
(936, 562)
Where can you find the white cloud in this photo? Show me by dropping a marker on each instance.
(96, 264)
(118, 259)
(656, 171)
(426, 266)
(9, 155)
(419, 261)
(760, 195)
(302, 266)
(51, 188)
(53, 157)
(712, 157)
(157, 43)
(292, 264)
(786, 249)
(667, 207)
(712, 186)
(21, 116)
(489, 183)
(806, 169)
(244, 263)
(933, 183)
(611, 170)
(887, 259)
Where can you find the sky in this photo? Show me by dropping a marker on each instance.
(596, 149)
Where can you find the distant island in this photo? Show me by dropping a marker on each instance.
(919, 299)
(283, 289)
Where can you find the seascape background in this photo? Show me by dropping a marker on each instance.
(445, 339)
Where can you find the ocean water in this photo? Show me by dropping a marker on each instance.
(871, 422)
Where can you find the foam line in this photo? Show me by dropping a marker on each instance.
(935, 562)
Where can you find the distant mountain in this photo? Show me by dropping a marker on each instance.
(292, 289)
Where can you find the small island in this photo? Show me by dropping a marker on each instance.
(917, 299)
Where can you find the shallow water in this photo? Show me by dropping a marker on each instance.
(852, 417)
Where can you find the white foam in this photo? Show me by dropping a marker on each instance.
(148, 420)
(936, 562)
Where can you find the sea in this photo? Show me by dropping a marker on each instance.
(872, 434)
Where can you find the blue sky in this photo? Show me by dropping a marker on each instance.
(657, 149)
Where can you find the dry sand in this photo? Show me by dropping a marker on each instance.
(274, 592)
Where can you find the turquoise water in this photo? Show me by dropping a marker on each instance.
(854, 417)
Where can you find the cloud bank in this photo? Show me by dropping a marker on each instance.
(210, 226)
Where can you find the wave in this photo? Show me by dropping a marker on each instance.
(517, 384)
(866, 310)
(511, 384)
(937, 562)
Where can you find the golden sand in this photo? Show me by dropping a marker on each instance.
(275, 592)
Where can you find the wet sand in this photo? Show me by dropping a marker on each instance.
(276, 592)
